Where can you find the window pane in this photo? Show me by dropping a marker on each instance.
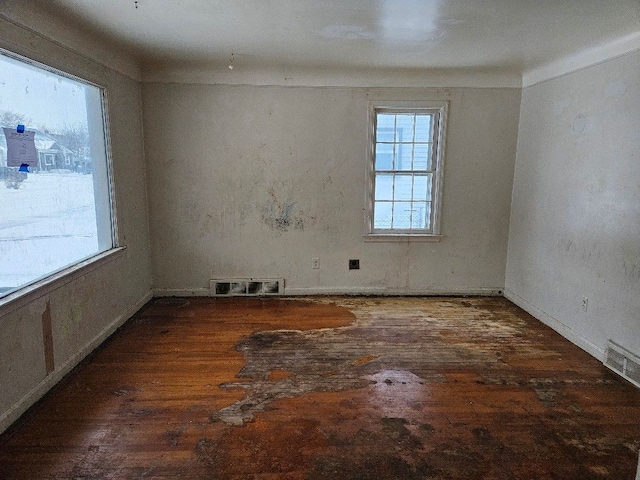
(384, 187)
(384, 156)
(421, 213)
(57, 213)
(422, 157)
(403, 187)
(403, 156)
(423, 128)
(402, 215)
(404, 128)
(422, 187)
(385, 126)
(382, 215)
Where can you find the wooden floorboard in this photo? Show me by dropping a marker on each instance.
(345, 388)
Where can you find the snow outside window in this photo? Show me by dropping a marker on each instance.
(58, 213)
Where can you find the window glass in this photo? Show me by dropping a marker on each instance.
(423, 128)
(422, 157)
(55, 210)
(384, 156)
(404, 128)
(384, 187)
(385, 127)
(383, 216)
(403, 189)
(407, 170)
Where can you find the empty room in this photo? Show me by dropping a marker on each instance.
(287, 239)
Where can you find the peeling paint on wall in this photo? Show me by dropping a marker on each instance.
(587, 202)
(72, 321)
(47, 339)
(282, 216)
(277, 142)
(585, 124)
(631, 270)
(559, 108)
(616, 88)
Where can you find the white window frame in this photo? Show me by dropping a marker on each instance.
(42, 286)
(439, 109)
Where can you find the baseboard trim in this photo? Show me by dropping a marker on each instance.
(181, 292)
(556, 325)
(310, 291)
(22, 405)
(391, 291)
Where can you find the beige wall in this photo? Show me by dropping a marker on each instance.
(89, 307)
(575, 218)
(224, 161)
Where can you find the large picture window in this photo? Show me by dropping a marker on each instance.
(406, 180)
(55, 210)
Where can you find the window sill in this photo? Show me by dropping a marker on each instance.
(29, 293)
(401, 237)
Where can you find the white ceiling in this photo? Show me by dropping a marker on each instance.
(514, 35)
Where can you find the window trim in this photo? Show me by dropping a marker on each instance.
(43, 285)
(441, 108)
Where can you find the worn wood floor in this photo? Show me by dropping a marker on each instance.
(345, 388)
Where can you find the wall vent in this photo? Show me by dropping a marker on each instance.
(232, 287)
(623, 362)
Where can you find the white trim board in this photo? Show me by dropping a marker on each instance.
(393, 291)
(38, 24)
(309, 291)
(45, 286)
(181, 292)
(556, 325)
(300, 76)
(583, 59)
(14, 412)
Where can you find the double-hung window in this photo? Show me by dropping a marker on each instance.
(407, 149)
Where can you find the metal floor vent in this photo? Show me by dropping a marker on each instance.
(229, 287)
(624, 362)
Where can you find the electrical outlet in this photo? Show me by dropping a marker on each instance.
(585, 304)
(315, 263)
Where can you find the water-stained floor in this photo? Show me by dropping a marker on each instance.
(353, 388)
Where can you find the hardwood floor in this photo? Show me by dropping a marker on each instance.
(345, 388)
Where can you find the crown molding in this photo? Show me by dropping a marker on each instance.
(348, 77)
(583, 59)
(41, 26)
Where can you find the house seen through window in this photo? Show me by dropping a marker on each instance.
(56, 211)
(407, 170)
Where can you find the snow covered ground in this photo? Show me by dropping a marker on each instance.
(46, 224)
